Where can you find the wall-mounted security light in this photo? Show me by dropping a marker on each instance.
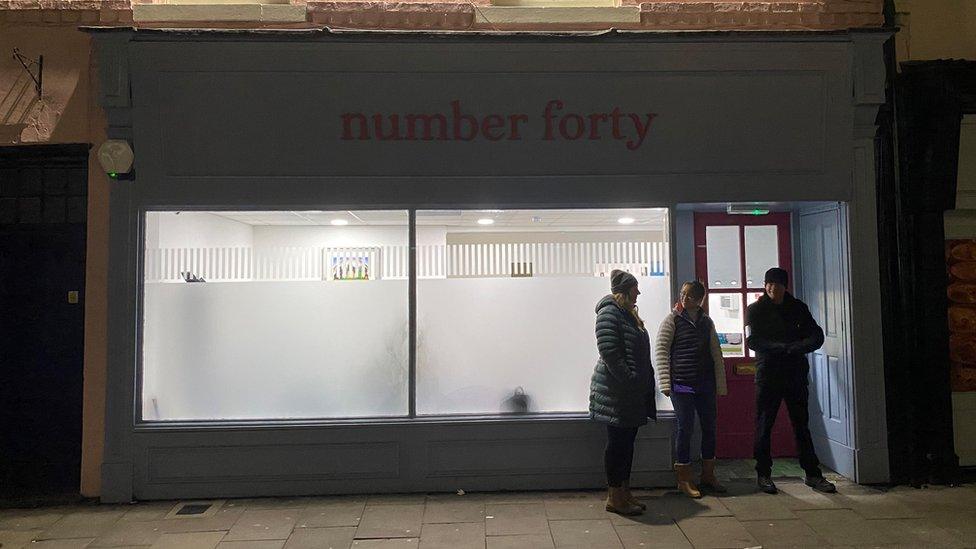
(115, 156)
(748, 209)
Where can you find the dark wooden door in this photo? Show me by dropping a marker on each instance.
(42, 278)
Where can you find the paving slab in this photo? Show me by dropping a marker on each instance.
(391, 543)
(271, 503)
(922, 532)
(462, 535)
(224, 519)
(580, 509)
(263, 524)
(397, 499)
(845, 527)
(492, 497)
(189, 540)
(680, 506)
(83, 524)
(783, 533)
(454, 511)
(61, 544)
(147, 511)
(758, 507)
(252, 544)
(391, 521)
(331, 514)
(652, 536)
(17, 538)
(589, 534)
(523, 541)
(126, 533)
(876, 506)
(31, 519)
(321, 538)
(716, 532)
(516, 518)
(796, 495)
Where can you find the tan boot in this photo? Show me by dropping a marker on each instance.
(617, 502)
(685, 480)
(630, 496)
(708, 479)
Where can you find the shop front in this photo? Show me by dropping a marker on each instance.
(368, 263)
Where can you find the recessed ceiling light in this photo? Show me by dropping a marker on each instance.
(339, 222)
(485, 221)
(625, 220)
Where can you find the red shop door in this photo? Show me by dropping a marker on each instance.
(732, 253)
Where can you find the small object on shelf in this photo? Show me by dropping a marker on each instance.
(190, 277)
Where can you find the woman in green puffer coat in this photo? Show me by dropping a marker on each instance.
(622, 386)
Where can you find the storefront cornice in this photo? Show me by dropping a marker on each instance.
(608, 34)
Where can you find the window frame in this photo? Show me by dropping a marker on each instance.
(412, 416)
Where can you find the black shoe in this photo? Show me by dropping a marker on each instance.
(820, 484)
(766, 485)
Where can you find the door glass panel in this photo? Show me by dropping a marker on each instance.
(762, 253)
(725, 309)
(724, 259)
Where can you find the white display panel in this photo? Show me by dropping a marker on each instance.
(762, 252)
(724, 259)
(275, 350)
(480, 339)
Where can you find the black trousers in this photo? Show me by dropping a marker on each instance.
(770, 391)
(618, 457)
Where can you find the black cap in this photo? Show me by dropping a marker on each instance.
(621, 281)
(777, 276)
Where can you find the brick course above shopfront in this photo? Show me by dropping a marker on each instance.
(479, 15)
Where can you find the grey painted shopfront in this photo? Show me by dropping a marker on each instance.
(284, 121)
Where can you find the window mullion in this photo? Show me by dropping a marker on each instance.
(412, 312)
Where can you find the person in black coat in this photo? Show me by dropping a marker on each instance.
(622, 386)
(781, 331)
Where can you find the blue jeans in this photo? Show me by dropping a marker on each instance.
(685, 407)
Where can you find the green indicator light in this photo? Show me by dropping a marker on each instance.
(113, 175)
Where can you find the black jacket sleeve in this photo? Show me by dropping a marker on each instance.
(757, 339)
(812, 335)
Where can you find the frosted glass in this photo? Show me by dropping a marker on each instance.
(480, 339)
(725, 310)
(762, 253)
(267, 350)
(724, 258)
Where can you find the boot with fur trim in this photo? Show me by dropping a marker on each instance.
(685, 480)
(709, 481)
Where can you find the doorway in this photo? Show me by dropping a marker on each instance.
(43, 207)
(730, 255)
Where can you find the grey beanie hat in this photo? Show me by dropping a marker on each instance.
(621, 281)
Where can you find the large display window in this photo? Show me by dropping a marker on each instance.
(275, 315)
(280, 315)
(506, 327)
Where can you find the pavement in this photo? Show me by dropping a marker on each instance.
(857, 516)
